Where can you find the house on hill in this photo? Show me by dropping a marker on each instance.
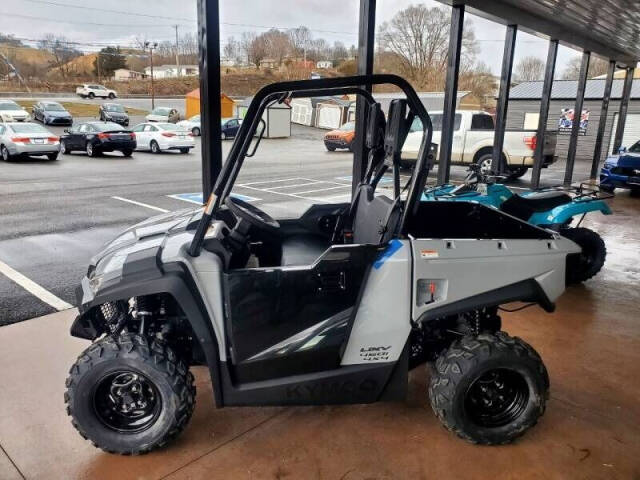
(173, 71)
(124, 74)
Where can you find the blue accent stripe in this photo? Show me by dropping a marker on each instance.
(393, 247)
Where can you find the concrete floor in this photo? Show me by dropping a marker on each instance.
(591, 429)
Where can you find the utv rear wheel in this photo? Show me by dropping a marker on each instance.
(584, 265)
(129, 396)
(490, 388)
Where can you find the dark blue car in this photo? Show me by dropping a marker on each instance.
(230, 127)
(622, 170)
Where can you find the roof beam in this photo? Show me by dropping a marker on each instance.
(566, 30)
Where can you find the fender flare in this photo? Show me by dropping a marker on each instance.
(564, 213)
(146, 278)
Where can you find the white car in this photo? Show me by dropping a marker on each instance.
(163, 114)
(192, 124)
(10, 111)
(92, 90)
(158, 137)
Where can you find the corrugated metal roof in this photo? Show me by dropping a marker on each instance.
(567, 89)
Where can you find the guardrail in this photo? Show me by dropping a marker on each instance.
(72, 94)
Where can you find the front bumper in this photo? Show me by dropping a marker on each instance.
(331, 143)
(120, 121)
(58, 121)
(617, 180)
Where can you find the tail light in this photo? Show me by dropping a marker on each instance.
(133, 136)
(531, 142)
(53, 139)
(102, 136)
(168, 134)
(21, 140)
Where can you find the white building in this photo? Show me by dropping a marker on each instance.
(124, 74)
(171, 71)
(324, 64)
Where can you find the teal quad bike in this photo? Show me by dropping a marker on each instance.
(554, 208)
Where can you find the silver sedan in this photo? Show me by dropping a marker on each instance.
(26, 139)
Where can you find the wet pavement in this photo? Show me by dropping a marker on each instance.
(591, 346)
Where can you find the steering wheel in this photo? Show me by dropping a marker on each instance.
(252, 214)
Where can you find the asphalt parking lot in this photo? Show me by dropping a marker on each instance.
(55, 215)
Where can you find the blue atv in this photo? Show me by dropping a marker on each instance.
(554, 208)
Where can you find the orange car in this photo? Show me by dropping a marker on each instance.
(341, 138)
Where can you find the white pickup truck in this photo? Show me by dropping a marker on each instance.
(473, 142)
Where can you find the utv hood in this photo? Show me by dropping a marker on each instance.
(156, 227)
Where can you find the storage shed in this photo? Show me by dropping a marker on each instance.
(192, 107)
(331, 113)
(524, 110)
(277, 118)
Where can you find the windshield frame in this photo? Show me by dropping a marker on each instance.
(281, 91)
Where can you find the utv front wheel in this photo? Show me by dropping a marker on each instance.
(129, 396)
(584, 265)
(490, 388)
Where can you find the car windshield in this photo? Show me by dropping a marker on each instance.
(195, 118)
(28, 128)
(348, 127)
(53, 107)
(113, 108)
(635, 148)
(9, 106)
(160, 111)
(107, 127)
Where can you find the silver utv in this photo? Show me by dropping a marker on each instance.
(333, 307)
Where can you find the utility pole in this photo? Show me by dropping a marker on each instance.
(151, 46)
(98, 63)
(177, 51)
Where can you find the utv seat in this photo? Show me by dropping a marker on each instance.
(523, 207)
(302, 249)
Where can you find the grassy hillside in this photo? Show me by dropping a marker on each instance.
(78, 67)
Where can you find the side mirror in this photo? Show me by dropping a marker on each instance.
(622, 149)
(398, 124)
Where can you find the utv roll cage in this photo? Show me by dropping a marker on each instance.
(284, 91)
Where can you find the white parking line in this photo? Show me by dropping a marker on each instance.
(273, 181)
(321, 190)
(146, 205)
(33, 288)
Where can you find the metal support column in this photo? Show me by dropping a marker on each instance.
(450, 93)
(499, 164)
(577, 115)
(602, 124)
(547, 85)
(209, 38)
(622, 113)
(366, 41)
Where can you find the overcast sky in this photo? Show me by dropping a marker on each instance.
(105, 21)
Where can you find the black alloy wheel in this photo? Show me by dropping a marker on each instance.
(126, 401)
(497, 398)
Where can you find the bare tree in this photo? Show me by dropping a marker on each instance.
(61, 50)
(300, 39)
(232, 49)
(256, 48)
(419, 37)
(597, 66)
(339, 51)
(278, 44)
(529, 69)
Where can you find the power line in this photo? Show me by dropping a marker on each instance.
(120, 25)
(95, 9)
